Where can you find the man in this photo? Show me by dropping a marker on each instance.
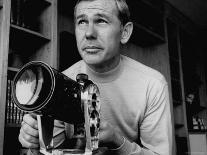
(135, 110)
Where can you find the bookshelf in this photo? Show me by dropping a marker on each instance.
(188, 83)
(178, 99)
(194, 82)
(12, 114)
(28, 31)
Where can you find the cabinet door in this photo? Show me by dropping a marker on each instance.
(198, 144)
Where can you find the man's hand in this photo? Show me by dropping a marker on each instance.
(109, 137)
(28, 135)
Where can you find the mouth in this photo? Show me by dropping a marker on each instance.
(92, 49)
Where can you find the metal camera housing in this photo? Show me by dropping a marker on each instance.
(41, 89)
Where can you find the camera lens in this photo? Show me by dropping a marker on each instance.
(33, 86)
(29, 85)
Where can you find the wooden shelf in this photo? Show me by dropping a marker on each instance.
(12, 69)
(25, 40)
(193, 131)
(28, 33)
(27, 13)
(13, 125)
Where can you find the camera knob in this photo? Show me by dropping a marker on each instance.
(81, 77)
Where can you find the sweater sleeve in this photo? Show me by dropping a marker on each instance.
(155, 128)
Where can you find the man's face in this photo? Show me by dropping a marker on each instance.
(98, 32)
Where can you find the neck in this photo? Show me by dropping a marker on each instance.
(107, 65)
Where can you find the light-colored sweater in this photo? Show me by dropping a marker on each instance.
(135, 100)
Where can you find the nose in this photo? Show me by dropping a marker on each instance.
(91, 32)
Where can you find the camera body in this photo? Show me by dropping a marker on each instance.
(40, 89)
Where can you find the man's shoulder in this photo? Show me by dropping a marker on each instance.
(73, 70)
(142, 70)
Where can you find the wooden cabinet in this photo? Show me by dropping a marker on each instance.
(194, 82)
(28, 32)
(178, 99)
(188, 84)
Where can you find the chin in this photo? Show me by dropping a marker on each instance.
(92, 60)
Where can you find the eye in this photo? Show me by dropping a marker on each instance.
(81, 22)
(101, 21)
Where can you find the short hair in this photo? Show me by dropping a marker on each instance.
(123, 10)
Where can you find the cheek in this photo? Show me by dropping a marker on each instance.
(113, 36)
(113, 40)
(77, 36)
(78, 39)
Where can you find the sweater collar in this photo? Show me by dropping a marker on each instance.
(105, 77)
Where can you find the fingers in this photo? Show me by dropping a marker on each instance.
(31, 120)
(29, 130)
(104, 134)
(28, 135)
(27, 144)
(109, 136)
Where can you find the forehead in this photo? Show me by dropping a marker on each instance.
(97, 6)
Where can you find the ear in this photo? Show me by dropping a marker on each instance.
(126, 32)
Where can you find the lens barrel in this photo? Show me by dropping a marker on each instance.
(39, 88)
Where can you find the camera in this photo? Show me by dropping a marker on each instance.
(40, 89)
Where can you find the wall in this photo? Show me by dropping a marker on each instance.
(155, 57)
(195, 10)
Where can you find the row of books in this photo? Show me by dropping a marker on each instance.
(24, 15)
(13, 114)
(199, 124)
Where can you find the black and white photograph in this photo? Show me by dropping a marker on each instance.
(103, 77)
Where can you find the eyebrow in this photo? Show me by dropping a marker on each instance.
(102, 16)
(96, 15)
(80, 16)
